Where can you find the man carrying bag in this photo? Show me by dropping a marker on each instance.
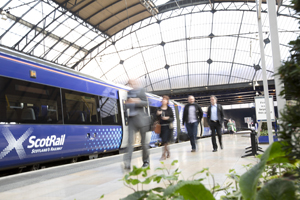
(138, 121)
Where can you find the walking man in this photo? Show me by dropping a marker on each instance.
(138, 121)
(192, 115)
(215, 119)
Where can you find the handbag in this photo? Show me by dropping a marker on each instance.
(183, 136)
(171, 126)
(156, 127)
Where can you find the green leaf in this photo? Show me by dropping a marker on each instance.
(136, 196)
(147, 180)
(135, 181)
(102, 196)
(279, 189)
(248, 181)
(153, 196)
(157, 179)
(135, 171)
(174, 162)
(192, 190)
(158, 189)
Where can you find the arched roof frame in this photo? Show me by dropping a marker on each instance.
(217, 7)
(167, 11)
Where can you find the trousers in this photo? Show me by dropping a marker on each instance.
(215, 127)
(133, 128)
(192, 129)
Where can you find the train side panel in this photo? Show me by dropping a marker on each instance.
(27, 144)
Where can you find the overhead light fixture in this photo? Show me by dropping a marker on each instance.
(4, 17)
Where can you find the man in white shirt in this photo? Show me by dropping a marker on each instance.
(192, 115)
(215, 119)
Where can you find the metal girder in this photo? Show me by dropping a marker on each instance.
(163, 46)
(74, 17)
(186, 51)
(210, 44)
(119, 22)
(87, 19)
(96, 25)
(38, 29)
(237, 40)
(86, 5)
(18, 19)
(218, 7)
(144, 61)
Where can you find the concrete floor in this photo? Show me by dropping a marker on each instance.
(102, 176)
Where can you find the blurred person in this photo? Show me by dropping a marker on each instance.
(215, 119)
(192, 115)
(231, 126)
(138, 121)
(165, 116)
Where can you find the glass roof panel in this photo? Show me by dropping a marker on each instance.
(175, 52)
(198, 49)
(115, 72)
(223, 26)
(241, 72)
(172, 29)
(199, 24)
(160, 79)
(149, 35)
(223, 48)
(143, 51)
(136, 63)
(219, 73)
(160, 2)
(154, 58)
(198, 74)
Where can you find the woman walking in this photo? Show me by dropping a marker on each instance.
(166, 118)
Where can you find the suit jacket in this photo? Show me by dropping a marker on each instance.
(137, 110)
(220, 114)
(199, 113)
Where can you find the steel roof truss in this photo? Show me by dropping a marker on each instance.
(18, 19)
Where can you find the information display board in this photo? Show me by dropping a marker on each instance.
(260, 108)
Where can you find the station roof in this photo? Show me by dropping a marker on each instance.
(170, 47)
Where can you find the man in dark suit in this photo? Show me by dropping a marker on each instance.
(138, 121)
(215, 119)
(192, 115)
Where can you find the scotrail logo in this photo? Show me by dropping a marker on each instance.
(37, 145)
(15, 144)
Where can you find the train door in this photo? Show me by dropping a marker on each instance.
(124, 116)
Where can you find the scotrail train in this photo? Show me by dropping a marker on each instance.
(50, 113)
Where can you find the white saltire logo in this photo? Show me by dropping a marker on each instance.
(15, 144)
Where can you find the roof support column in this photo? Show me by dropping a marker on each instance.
(275, 53)
(264, 72)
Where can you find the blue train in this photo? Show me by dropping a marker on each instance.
(50, 113)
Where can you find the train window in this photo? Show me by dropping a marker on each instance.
(80, 108)
(26, 102)
(109, 111)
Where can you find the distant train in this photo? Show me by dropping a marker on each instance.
(50, 113)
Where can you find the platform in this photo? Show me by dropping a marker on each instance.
(90, 179)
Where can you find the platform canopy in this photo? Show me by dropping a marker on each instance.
(171, 45)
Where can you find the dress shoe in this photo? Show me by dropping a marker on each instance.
(146, 164)
(162, 158)
(126, 169)
(215, 150)
(193, 150)
(221, 146)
